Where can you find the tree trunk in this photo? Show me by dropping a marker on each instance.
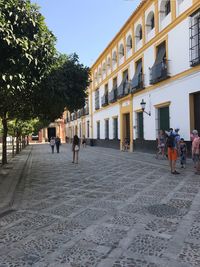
(13, 146)
(17, 143)
(4, 148)
(27, 140)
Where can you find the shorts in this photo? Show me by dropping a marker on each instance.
(196, 158)
(172, 153)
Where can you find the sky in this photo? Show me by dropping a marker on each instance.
(85, 27)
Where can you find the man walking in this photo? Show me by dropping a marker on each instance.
(172, 145)
(57, 141)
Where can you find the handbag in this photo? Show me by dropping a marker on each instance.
(76, 148)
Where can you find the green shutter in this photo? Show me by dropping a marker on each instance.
(164, 118)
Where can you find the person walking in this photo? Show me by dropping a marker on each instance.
(196, 151)
(84, 141)
(183, 152)
(75, 148)
(172, 148)
(58, 142)
(52, 144)
(161, 144)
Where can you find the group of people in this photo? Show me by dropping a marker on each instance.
(172, 146)
(55, 141)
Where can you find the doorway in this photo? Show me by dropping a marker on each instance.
(126, 126)
(51, 132)
(197, 111)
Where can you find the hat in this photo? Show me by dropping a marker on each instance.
(195, 132)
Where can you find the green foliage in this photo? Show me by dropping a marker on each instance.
(27, 54)
(65, 86)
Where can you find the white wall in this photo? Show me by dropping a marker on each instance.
(178, 48)
(107, 113)
(178, 93)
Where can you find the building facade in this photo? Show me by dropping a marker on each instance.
(146, 79)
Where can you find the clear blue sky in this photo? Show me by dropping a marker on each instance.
(85, 26)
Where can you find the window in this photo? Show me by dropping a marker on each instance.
(104, 99)
(138, 34)
(112, 97)
(115, 128)
(104, 68)
(167, 7)
(129, 44)
(121, 51)
(195, 38)
(107, 129)
(137, 81)
(159, 70)
(108, 62)
(88, 129)
(152, 22)
(114, 57)
(98, 129)
(121, 89)
(97, 99)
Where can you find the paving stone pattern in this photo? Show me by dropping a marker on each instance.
(113, 209)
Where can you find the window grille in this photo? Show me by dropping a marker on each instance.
(195, 39)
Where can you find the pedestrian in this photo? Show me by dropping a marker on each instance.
(84, 141)
(172, 148)
(58, 142)
(183, 152)
(161, 144)
(196, 151)
(75, 148)
(52, 144)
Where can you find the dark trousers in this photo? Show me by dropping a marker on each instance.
(57, 148)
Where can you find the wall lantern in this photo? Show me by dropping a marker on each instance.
(143, 105)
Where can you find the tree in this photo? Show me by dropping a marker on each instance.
(27, 53)
(64, 87)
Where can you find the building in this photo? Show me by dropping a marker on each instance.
(146, 79)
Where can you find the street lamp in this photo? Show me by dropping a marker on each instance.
(143, 104)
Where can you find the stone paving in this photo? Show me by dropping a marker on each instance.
(113, 209)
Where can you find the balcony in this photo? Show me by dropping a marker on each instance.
(123, 89)
(86, 110)
(78, 114)
(137, 83)
(104, 100)
(112, 97)
(96, 105)
(159, 72)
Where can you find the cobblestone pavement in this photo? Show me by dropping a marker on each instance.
(113, 209)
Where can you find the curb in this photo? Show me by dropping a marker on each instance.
(12, 179)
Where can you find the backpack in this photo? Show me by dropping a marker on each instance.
(171, 140)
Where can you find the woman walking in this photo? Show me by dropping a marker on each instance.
(75, 148)
(52, 144)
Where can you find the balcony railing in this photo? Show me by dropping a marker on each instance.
(86, 110)
(78, 114)
(138, 83)
(104, 100)
(96, 105)
(123, 89)
(159, 72)
(112, 97)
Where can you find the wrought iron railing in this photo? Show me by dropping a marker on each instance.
(159, 72)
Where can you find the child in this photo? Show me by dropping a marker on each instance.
(161, 144)
(183, 152)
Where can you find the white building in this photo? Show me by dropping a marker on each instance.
(154, 58)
